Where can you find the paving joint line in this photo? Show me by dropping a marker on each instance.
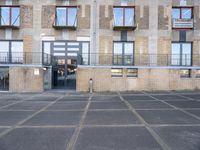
(177, 108)
(29, 117)
(76, 133)
(159, 140)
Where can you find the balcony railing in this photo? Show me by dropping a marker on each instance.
(182, 23)
(140, 60)
(25, 58)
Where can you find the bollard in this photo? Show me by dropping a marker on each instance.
(91, 86)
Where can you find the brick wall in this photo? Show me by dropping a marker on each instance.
(26, 16)
(48, 16)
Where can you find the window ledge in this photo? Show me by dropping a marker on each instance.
(9, 26)
(65, 27)
(124, 27)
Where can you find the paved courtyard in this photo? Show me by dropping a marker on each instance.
(106, 121)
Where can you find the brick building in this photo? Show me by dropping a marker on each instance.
(122, 45)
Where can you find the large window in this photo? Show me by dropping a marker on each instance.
(66, 16)
(182, 13)
(10, 16)
(124, 16)
(181, 54)
(11, 51)
(123, 53)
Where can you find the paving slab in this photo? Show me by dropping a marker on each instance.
(50, 118)
(180, 138)
(137, 97)
(107, 105)
(36, 139)
(149, 105)
(27, 106)
(195, 112)
(10, 118)
(116, 138)
(185, 104)
(167, 117)
(68, 105)
(106, 98)
(122, 117)
(169, 97)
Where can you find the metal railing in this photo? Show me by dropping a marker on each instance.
(101, 59)
(29, 58)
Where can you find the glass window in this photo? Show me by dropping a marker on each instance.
(61, 16)
(115, 72)
(186, 13)
(176, 13)
(4, 51)
(198, 73)
(66, 16)
(118, 16)
(175, 58)
(129, 14)
(123, 53)
(17, 52)
(85, 53)
(72, 16)
(15, 20)
(182, 13)
(123, 16)
(132, 72)
(5, 15)
(185, 73)
(181, 54)
(10, 16)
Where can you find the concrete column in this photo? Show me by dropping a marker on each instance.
(153, 31)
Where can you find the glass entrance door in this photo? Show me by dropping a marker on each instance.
(4, 79)
(71, 73)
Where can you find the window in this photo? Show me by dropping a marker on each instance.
(124, 16)
(11, 51)
(115, 72)
(181, 54)
(198, 73)
(185, 73)
(182, 13)
(10, 16)
(132, 72)
(66, 16)
(123, 53)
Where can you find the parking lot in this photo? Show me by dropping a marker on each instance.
(100, 121)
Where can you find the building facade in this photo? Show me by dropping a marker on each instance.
(121, 45)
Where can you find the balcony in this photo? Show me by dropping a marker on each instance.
(182, 23)
(25, 58)
(142, 60)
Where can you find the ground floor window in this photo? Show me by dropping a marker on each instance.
(181, 54)
(198, 73)
(4, 79)
(132, 72)
(117, 72)
(123, 53)
(11, 51)
(185, 73)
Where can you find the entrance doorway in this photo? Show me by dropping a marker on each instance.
(66, 56)
(64, 75)
(4, 79)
